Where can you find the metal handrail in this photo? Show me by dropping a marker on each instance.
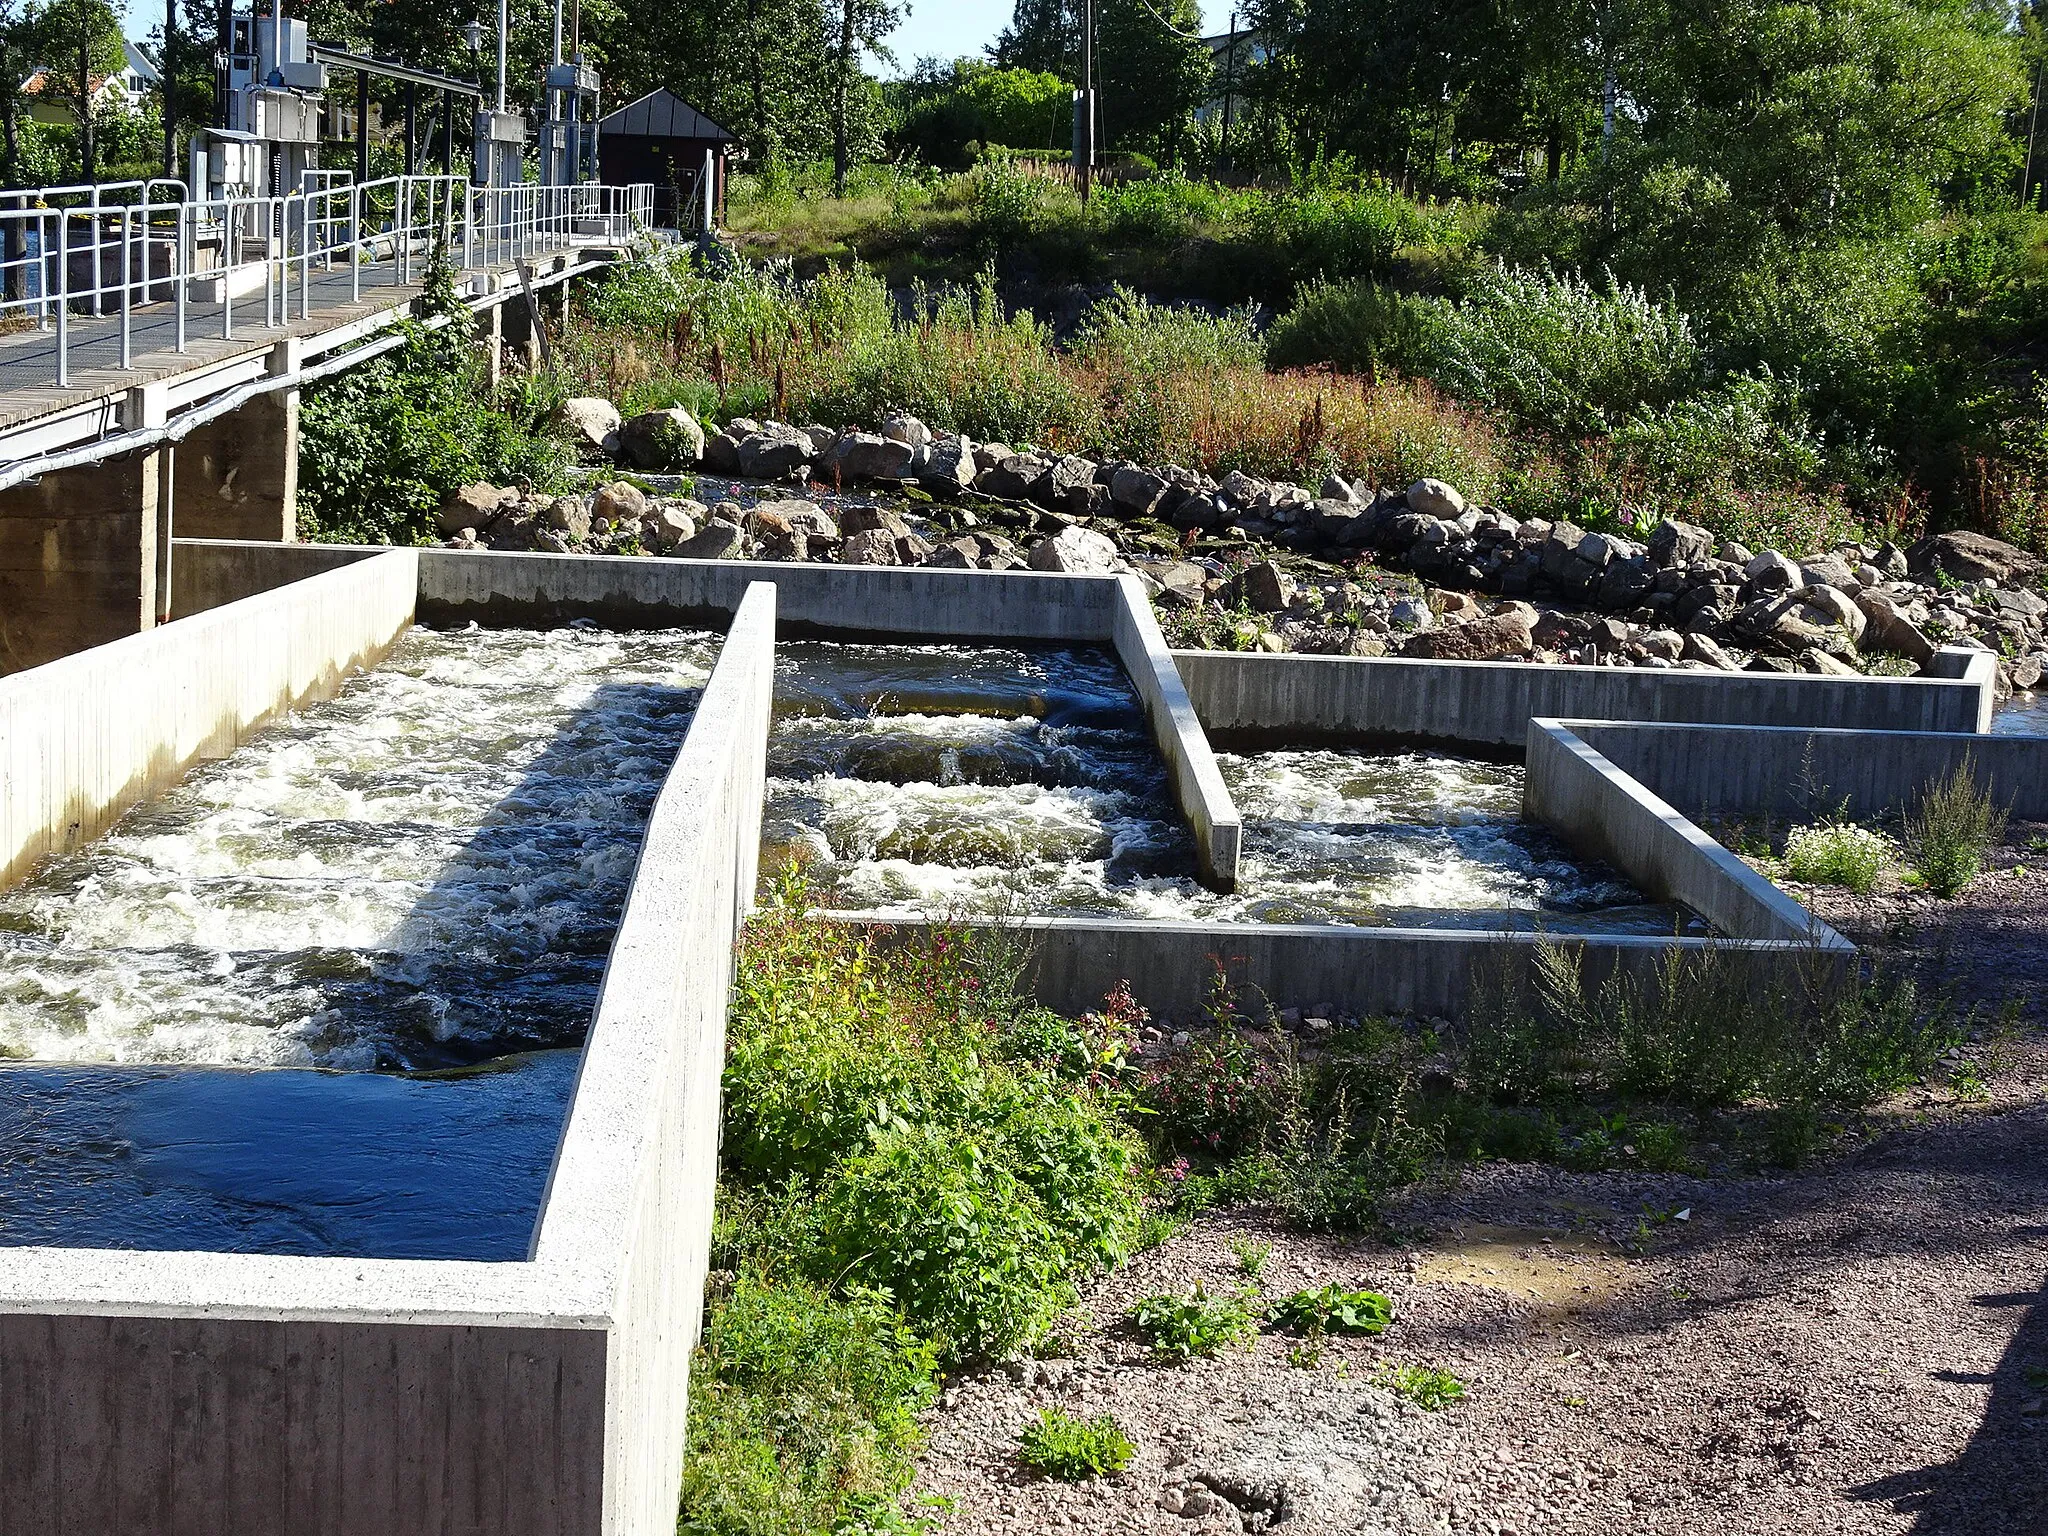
(167, 248)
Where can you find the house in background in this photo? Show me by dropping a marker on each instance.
(121, 93)
(663, 139)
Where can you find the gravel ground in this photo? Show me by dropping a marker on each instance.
(1986, 946)
(1855, 1348)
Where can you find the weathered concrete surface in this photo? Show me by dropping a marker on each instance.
(84, 737)
(250, 1395)
(1601, 811)
(1076, 961)
(237, 477)
(207, 573)
(1791, 773)
(78, 559)
(1197, 782)
(1344, 698)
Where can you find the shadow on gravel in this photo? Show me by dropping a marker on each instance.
(2000, 1482)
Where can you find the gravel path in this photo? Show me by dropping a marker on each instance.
(1858, 1348)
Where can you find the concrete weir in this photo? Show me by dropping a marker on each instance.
(261, 1395)
(258, 1395)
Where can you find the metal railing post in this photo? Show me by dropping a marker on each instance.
(128, 287)
(63, 298)
(306, 258)
(181, 269)
(355, 251)
(227, 287)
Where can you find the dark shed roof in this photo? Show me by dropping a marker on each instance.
(662, 115)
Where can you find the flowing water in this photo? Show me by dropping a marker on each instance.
(2024, 714)
(947, 779)
(420, 876)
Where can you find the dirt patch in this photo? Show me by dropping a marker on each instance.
(1557, 1271)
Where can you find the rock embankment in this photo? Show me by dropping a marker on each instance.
(1348, 569)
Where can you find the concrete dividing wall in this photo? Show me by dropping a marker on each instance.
(206, 573)
(85, 737)
(1426, 972)
(1490, 704)
(1197, 782)
(1792, 774)
(248, 1395)
(1601, 811)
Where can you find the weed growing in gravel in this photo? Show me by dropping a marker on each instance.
(1426, 1386)
(1951, 829)
(1182, 1327)
(1837, 853)
(1251, 1256)
(1332, 1309)
(1074, 1449)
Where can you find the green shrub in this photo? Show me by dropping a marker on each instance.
(1837, 853)
(1950, 830)
(803, 1410)
(1356, 327)
(1553, 351)
(1332, 1309)
(1182, 1327)
(1074, 1449)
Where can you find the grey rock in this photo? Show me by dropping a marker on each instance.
(1490, 639)
(867, 456)
(569, 517)
(472, 507)
(715, 541)
(1772, 572)
(1435, 498)
(1013, 478)
(1076, 551)
(1336, 488)
(907, 429)
(1675, 543)
(662, 440)
(1137, 490)
(774, 451)
(620, 501)
(875, 546)
(853, 520)
(591, 423)
(948, 469)
(1264, 588)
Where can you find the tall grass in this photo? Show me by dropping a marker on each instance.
(1951, 828)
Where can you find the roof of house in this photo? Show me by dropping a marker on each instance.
(661, 114)
(140, 62)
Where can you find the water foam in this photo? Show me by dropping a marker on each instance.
(424, 870)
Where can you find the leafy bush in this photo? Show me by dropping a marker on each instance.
(1074, 1449)
(803, 1409)
(1837, 853)
(1356, 327)
(1182, 1327)
(1553, 351)
(382, 446)
(1950, 830)
(1332, 1309)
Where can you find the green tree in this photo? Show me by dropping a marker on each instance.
(1151, 66)
(859, 24)
(78, 44)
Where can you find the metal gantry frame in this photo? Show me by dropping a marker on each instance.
(164, 244)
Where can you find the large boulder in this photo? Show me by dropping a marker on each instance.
(591, 424)
(873, 546)
(777, 449)
(806, 517)
(715, 541)
(1435, 498)
(1136, 490)
(670, 528)
(569, 517)
(1674, 543)
(853, 520)
(1013, 478)
(1068, 485)
(471, 506)
(620, 501)
(908, 430)
(948, 468)
(1503, 635)
(869, 456)
(662, 440)
(1264, 588)
(1075, 551)
(1772, 572)
(722, 453)
(1888, 628)
(1972, 557)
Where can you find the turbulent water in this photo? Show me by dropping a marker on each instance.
(2024, 714)
(945, 779)
(423, 871)
(422, 875)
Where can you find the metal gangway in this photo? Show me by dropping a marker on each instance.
(127, 275)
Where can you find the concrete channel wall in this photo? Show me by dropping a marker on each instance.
(1074, 962)
(1603, 812)
(1794, 774)
(252, 1395)
(87, 736)
(1305, 699)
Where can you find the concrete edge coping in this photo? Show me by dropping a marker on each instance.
(575, 1283)
(1197, 782)
(1790, 922)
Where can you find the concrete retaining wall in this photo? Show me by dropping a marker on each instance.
(206, 573)
(1304, 699)
(85, 737)
(1197, 782)
(1799, 774)
(1601, 811)
(1427, 972)
(250, 1395)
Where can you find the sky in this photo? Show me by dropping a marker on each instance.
(947, 29)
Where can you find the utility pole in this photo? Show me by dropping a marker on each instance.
(2033, 122)
(1229, 85)
(1084, 107)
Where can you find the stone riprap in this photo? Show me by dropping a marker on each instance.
(1348, 569)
